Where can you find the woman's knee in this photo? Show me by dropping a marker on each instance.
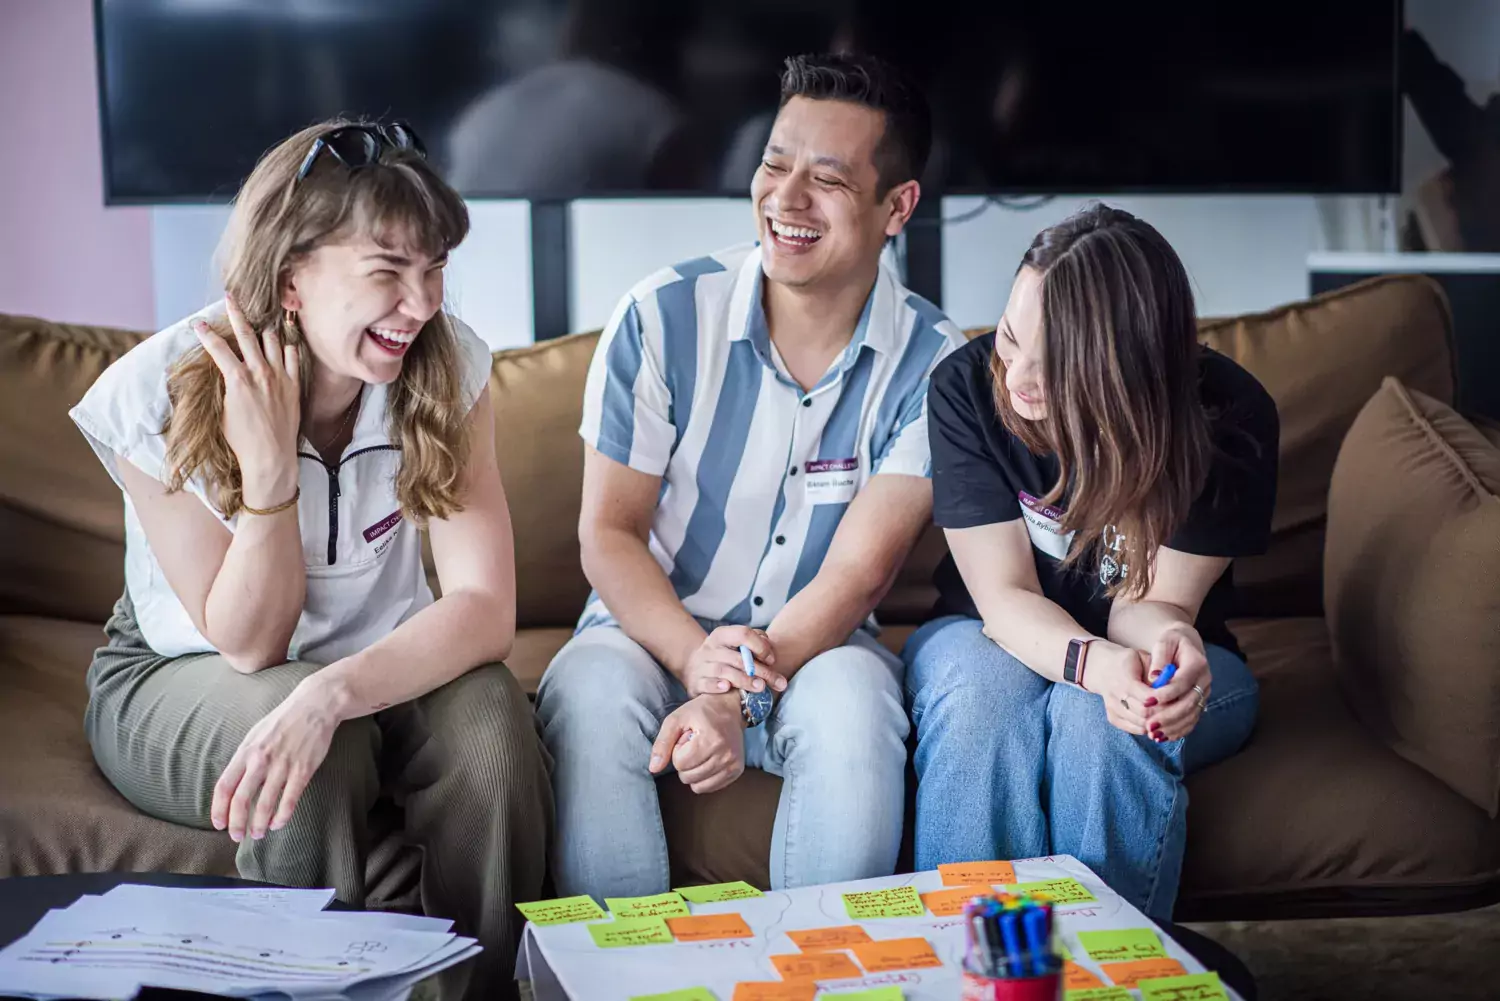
(958, 670)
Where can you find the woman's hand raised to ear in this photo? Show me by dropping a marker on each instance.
(262, 406)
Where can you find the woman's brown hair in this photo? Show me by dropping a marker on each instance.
(1120, 385)
(278, 220)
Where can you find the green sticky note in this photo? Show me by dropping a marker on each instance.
(623, 932)
(897, 902)
(1099, 994)
(1059, 891)
(1197, 987)
(663, 905)
(878, 994)
(1121, 946)
(719, 892)
(564, 911)
(691, 994)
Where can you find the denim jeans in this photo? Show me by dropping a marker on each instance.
(1011, 765)
(837, 737)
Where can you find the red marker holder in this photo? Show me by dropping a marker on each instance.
(1047, 987)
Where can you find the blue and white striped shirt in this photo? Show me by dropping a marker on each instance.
(756, 473)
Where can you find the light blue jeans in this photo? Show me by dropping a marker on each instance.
(837, 737)
(1010, 765)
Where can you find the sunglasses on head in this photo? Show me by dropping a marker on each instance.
(358, 146)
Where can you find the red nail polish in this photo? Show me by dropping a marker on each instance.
(1150, 702)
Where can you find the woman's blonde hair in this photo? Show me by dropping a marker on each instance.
(278, 220)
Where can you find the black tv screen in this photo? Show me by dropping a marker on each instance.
(568, 98)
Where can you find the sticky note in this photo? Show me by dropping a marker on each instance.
(896, 954)
(564, 911)
(878, 994)
(1077, 978)
(691, 994)
(815, 966)
(1121, 946)
(775, 990)
(1059, 891)
(663, 905)
(623, 932)
(1197, 987)
(1099, 994)
(719, 892)
(969, 873)
(708, 927)
(1130, 974)
(897, 902)
(824, 939)
(950, 903)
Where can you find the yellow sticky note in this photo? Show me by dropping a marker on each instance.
(739, 890)
(1197, 987)
(1121, 946)
(708, 927)
(1099, 994)
(663, 905)
(564, 911)
(623, 932)
(691, 994)
(1059, 891)
(969, 873)
(888, 955)
(897, 902)
(878, 994)
(1131, 974)
(824, 939)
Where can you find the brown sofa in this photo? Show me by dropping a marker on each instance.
(1316, 816)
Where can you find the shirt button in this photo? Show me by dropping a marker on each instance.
(759, 602)
(807, 401)
(793, 472)
(781, 540)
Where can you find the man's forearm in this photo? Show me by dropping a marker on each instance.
(640, 597)
(823, 615)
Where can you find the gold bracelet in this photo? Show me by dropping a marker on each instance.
(272, 510)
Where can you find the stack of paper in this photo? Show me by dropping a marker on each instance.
(238, 943)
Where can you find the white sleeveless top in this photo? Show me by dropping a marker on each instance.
(364, 563)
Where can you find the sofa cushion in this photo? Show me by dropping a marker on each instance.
(1321, 359)
(1413, 586)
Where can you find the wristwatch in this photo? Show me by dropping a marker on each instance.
(755, 706)
(1078, 649)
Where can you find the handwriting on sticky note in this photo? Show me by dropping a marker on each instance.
(1059, 891)
(708, 927)
(663, 905)
(878, 994)
(896, 954)
(1077, 978)
(950, 903)
(775, 990)
(1100, 994)
(719, 892)
(564, 911)
(815, 966)
(1197, 987)
(623, 932)
(691, 994)
(969, 873)
(823, 939)
(1121, 946)
(897, 902)
(1130, 974)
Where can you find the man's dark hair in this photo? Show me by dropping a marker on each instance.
(901, 154)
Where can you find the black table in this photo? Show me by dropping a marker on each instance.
(1217, 958)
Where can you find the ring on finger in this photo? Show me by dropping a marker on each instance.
(1202, 698)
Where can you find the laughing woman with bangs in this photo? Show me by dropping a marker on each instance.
(277, 661)
(1095, 471)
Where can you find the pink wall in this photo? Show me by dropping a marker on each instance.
(63, 255)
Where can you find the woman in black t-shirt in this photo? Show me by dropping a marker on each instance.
(1095, 470)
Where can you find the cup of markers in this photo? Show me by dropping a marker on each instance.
(1010, 954)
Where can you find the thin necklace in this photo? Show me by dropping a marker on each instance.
(348, 415)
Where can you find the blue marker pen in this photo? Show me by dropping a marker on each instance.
(1035, 921)
(1161, 679)
(748, 659)
(1010, 931)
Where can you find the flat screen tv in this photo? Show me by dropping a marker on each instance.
(553, 99)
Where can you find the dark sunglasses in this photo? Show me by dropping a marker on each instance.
(358, 146)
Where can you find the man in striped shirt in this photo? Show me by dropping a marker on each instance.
(756, 473)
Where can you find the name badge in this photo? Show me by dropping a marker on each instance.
(1043, 524)
(831, 481)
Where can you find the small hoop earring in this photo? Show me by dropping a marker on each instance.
(289, 321)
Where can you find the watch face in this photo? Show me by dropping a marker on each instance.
(758, 704)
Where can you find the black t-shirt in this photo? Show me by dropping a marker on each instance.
(982, 475)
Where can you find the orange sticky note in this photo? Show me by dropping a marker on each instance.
(815, 966)
(824, 939)
(969, 873)
(706, 927)
(950, 903)
(896, 954)
(1077, 978)
(1131, 974)
(775, 990)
